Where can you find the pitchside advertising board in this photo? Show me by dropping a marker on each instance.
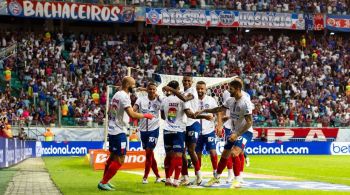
(71, 11)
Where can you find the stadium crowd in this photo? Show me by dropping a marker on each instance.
(316, 6)
(294, 80)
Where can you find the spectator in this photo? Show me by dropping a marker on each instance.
(49, 135)
(22, 135)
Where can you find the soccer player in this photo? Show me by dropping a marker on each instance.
(207, 135)
(120, 103)
(242, 132)
(228, 131)
(173, 111)
(149, 128)
(189, 96)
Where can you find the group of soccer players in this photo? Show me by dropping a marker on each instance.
(189, 127)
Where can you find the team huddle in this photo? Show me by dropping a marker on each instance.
(193, 120)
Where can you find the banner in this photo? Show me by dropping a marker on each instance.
(79, 148)
(133, 159)
(338, 23)
(2, 152)
(13, 151)
(314, 21)
(3, 7)
(221, 18)
(288, 134)
(340, 148)
(72, 11)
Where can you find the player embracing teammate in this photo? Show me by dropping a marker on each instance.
(240, 108)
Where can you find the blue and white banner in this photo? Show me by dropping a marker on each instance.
(338, 23)
(73, 148)
(224, 18)
(13, 151)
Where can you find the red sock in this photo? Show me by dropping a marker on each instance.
(197, 166)
(214, 161)
(221, 166)
(112, 170)
(236, 165)
(108, 162)
(167, 166)
(184, 170)
(241, 158)
(155, 166)
(200, 161)
(176, 163)
(229, 163)
(148, 163)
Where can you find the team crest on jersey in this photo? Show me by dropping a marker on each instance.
(206, 106)
(155, 107)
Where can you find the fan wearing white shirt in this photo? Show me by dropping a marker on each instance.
(173, 111)
(120, 104)
(207, 136)
(149, 128)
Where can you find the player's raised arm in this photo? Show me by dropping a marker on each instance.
(181, 96)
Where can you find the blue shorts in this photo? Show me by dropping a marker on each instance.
(227, 133)
(240, 142)
(192, 132)
(206, 140)
(117, 144)
(149, 138)
(174, 141)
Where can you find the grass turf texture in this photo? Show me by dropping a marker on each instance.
(6, 175)
(73, 175)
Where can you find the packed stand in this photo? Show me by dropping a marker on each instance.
(293, 81)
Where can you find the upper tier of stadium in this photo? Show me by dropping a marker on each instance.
(340, 7)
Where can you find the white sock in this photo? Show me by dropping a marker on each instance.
(186, 177)
(198, 174)
(230, 173)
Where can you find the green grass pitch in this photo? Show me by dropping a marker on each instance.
(73, 175)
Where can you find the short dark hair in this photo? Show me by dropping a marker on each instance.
(201, 83)
(173, 84)
(236, 84)
(151, 83)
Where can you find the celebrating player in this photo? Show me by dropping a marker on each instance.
(119, 104)
(189, 96)
(242, 132)
(149, 128)
(207, 135)
(173, 111)
(228, 131)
